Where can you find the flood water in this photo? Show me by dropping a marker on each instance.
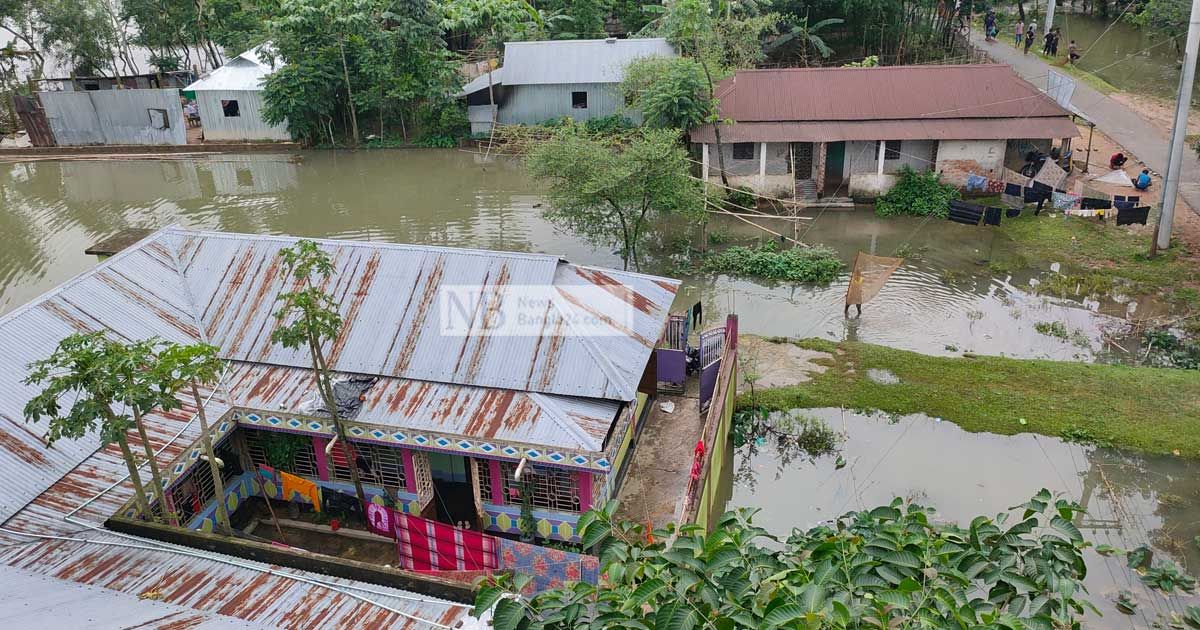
(1128, 57)
(944, 301)
(1131, 500)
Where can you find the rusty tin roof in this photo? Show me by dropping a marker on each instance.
(192, 286)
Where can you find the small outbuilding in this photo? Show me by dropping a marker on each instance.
(230, 99)
(837, 132)
(546, 80)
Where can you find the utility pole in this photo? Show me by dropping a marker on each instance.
(1175, 152)
(1049, 16)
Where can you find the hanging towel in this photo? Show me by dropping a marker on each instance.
(1129, 216)
(965, 213)
(1063, 201)
(1012, 189)
(1124, 205)
(976, 182)
(1013, 213)
(302, 487)
(991, 216)
(338, 455)
(1036, 194)
(381, 520)
(1088, 203)
(995, 186)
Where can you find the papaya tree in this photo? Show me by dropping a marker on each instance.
(134, 367)
(186, 367)
(81, 386)
(308, 319)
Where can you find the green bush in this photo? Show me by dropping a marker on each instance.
(442, 123)
(608, 124)
(740, 198)
(919, 193)
(798, 264)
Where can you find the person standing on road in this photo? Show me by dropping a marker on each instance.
(1019, 33)
(1030, 33)
(989, 26)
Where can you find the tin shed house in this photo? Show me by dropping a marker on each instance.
(545, 80)
(230, 100)
(838, 132)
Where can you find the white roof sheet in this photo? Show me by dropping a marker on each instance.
(242, 73)
(577, 61)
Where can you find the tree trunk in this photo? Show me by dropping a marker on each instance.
(712, 99)
(349, 93)
(326, 390)
(218, 483)
(156, 482)
(139, 493)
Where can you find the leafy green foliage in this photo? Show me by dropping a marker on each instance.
(1168, 577)
(918, 193)
(280, 448)
(609, 190)
(796, 264)
(670, 92)
(608, 125)
(442, 123)
(1166, 349)
(741, 198)
(891, 566)
(346, 57)
(1168, 18)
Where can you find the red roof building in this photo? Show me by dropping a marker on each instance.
(846, 131)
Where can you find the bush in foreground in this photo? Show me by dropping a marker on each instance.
(797, 264)
(918, 193)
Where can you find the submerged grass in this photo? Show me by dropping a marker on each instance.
(1146, 409)
(797, 264)
(1099, 258)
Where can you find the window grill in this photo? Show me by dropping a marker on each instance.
(386, 463)
(304, 463)
(193, 493)
(553, 488)
(484, 472)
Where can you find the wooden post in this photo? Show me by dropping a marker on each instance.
(762, 166)
(1088, 159)
(704, 162)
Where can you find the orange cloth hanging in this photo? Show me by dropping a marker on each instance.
(303, 487)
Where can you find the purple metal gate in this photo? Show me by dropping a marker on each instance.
(671, 357)
(712, 346)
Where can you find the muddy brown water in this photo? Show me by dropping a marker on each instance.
(1131, 499)
(1130, 58)
(945, 302)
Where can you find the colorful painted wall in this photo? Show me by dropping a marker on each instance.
(552, 525)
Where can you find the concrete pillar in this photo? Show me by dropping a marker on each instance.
(762, 164)
(818, 174)
(882, 151)
(704, 161)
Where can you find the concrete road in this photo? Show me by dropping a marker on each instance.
(1145, 141)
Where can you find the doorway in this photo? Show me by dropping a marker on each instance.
(454, 495)
(835, 163)
(802, 157)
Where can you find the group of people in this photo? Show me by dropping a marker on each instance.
(1027, 33)
(1117, 162)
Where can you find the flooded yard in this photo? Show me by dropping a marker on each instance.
(945, 301)
(1131, 500)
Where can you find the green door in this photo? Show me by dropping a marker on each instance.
(835, 163)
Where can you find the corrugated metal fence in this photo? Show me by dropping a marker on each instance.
(115, 117)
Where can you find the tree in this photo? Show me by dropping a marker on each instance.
(689, 26)
(83, 369)
(495, 21)
(308, 319)
(135, 366)
(345, 58)
(894, 566)
(189, 366)
(1168, 18)
(806, 36)
(669, 92)
(609, 193)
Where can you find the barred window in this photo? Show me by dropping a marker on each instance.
(193, 493)
(386, 463)
(484, 469)
(553, 488)
(304, 461)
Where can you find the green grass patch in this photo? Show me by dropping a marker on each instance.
(796, 264)
(1098, 258)
(1147, 409)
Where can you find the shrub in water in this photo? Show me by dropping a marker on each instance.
(740, 199)
(919, 193)
(798, 264)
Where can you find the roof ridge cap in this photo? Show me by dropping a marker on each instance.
(559, 417)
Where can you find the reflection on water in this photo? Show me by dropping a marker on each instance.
(1130, 58)
(946, 301)
(1130, 500)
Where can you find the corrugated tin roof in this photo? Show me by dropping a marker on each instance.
(389, 299)
(30, 600)
(244, 72)
(481, 82)
(576, 61)
(883, 93)
(942, 129)
(477, 412)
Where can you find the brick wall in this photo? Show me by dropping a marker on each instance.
(958, 158)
